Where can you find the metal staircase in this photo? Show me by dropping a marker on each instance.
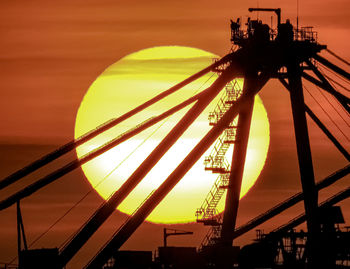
(207, 212)
(230, 95)
(213, 235)
(217, 163)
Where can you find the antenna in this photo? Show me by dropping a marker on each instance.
(271, 26)
(297, 15)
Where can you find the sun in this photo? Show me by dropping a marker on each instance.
(130, 82)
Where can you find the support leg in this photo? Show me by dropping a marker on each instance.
(237, 168)
(305, 161)
(236, 175)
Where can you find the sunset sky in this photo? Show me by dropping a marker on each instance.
(52, 51)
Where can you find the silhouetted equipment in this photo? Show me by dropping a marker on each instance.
(39, 259)
(276, 10)
(171, 232)
(126, 259)
(340, 196)
(257, 255)
(289, 203)
(261, 53)
(288, 248)
(179, 258)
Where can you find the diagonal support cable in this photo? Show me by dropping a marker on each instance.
(318, 122)
(91, 155)
(332, 66)
(313, 80)
(343, 100)
(338, 57)
(104, 127)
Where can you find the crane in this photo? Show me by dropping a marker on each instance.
(259, 58)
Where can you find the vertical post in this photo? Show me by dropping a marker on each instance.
(19, 243)
(164, 237)
(278, 13)
(305, 161)
(236, 174)
(20, 233)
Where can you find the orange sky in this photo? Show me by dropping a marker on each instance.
(51, 51)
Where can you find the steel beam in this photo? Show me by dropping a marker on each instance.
(84, 138)
(108, 208)
(123, 234)
(314, 81)
(335, 68)
(93, 154)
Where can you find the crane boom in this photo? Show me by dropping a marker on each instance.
(78, 162)
(91, 155)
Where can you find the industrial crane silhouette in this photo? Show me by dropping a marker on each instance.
(261, 54)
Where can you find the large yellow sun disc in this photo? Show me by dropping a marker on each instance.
(132, 81)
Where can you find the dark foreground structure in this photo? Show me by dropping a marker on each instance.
(260, 53)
